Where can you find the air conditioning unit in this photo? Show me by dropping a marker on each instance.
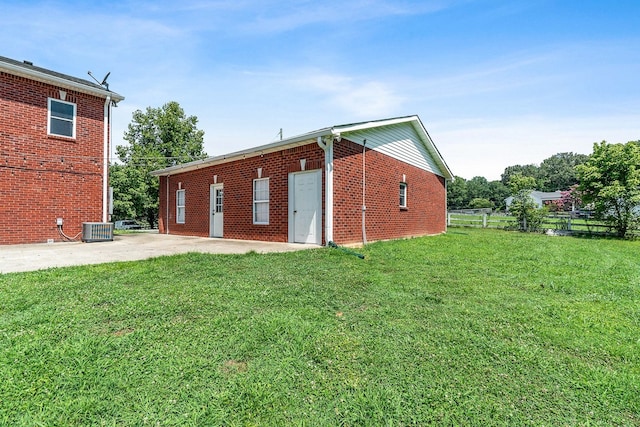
(97, 231)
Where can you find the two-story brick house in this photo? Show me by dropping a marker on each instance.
(351, 183)
(55, 133)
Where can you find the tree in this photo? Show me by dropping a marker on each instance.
(461, 193)
(479, 203)
(610, 181)
(526, 170)
(499, 192)
(478, 188)
(457, 193)
(158, 138)
(129, 191)
(558, 172)
(528, 215)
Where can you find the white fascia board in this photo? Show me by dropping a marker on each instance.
(58, 81)
(307, 138)
(372, 124)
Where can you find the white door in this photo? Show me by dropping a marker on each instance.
(306, 206)
(216, 204)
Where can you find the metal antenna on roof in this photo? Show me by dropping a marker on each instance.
(104, 81)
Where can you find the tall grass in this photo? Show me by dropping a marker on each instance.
(475, 327)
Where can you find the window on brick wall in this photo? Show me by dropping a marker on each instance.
(403, 194)
(62, 118)
(180, 204)
(261, 201)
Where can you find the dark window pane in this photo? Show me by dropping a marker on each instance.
(61, 127)
(64, 111)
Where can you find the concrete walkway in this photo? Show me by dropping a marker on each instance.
(127, 247)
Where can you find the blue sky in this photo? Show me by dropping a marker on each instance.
(496, 82)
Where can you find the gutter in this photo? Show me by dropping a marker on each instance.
(105, 159)
(251, 152)
(43, 77)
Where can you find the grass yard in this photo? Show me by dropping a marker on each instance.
(475, 327)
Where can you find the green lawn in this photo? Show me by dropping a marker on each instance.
(475, 327)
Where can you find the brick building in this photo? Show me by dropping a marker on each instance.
(54, 145)
(350, 183)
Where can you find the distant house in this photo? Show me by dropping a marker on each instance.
(54, 144)
(349, 183)
(541, 198)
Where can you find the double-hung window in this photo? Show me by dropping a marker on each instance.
(261, 201)
(403, 194)
(62, 118)
(180, 204)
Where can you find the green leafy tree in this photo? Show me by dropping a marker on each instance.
(558, 172)
(479, 203)
(457, 197)
(129, 191)
(526, 170)
(499, 192)
(554, 173)
(610, 181)
(461, 193)
(157, 138)
(478, 188)
(528, 215)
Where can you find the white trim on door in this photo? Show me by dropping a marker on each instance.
(305, 207)
(216, 210)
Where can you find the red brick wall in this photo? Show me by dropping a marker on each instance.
(425, 212)
(43, 177)
(237, 178)
(384, 219)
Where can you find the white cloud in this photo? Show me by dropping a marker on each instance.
(356, 96)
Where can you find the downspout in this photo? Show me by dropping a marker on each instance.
(446, 207)
(327, 146)
(364, 193)
(105, 158)
(166, 224)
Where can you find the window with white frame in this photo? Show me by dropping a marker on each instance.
(403, 194)
(180, 204)
(261, 201)
(62, 118)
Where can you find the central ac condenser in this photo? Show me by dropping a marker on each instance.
(97, 231)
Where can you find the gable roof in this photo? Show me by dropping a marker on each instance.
(30, 71)
(547, 195)
(539, 197)
(410, 145)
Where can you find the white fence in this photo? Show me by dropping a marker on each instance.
(554, 222)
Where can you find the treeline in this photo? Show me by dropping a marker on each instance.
(555, 173)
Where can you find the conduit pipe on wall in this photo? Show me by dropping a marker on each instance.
(105, 158)
(364, 192)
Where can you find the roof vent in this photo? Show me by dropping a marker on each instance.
(28, 62)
